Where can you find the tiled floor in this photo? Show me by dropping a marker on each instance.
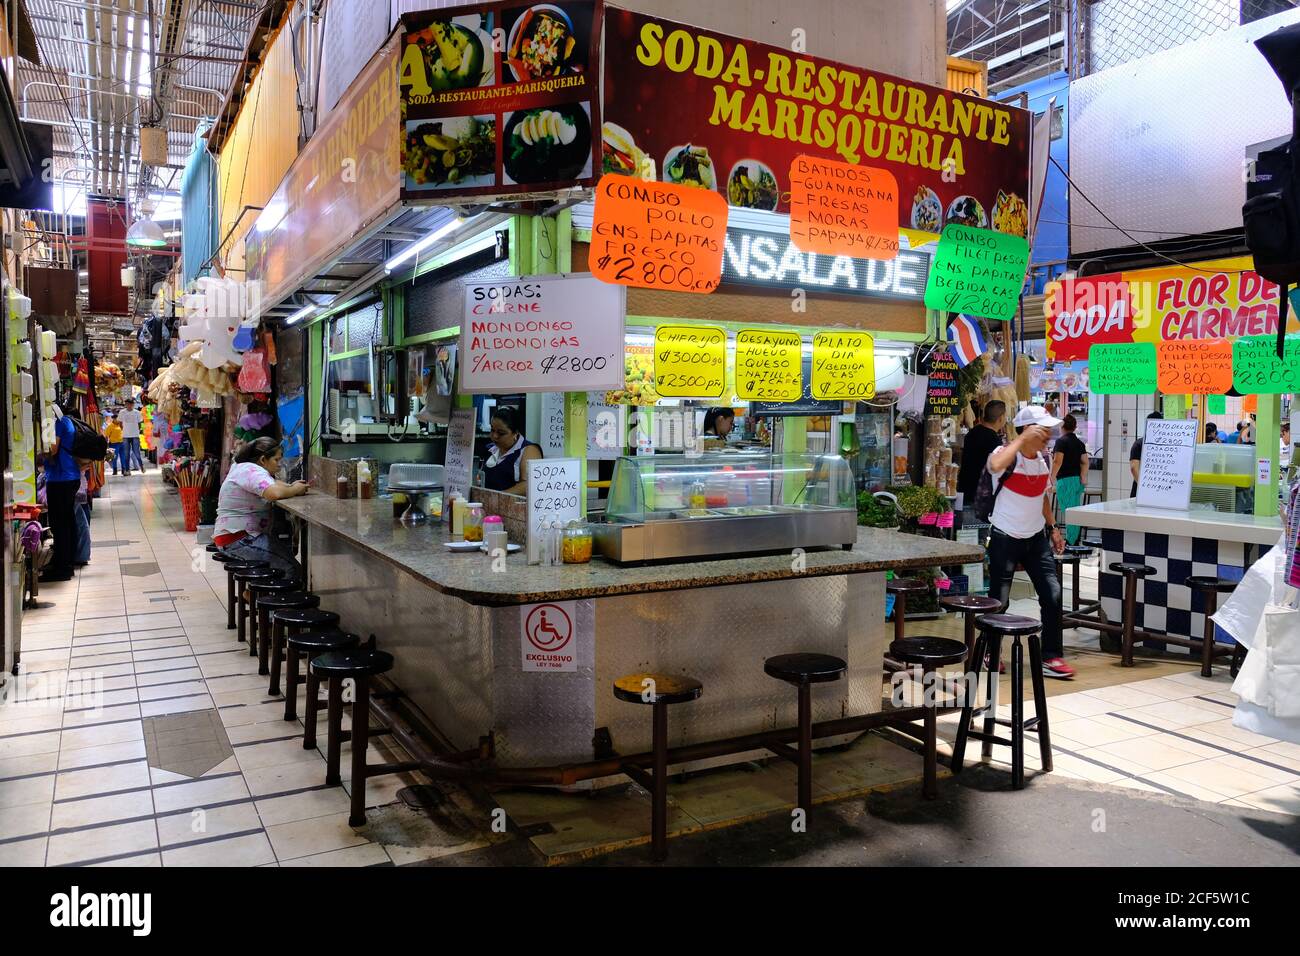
(141, 634)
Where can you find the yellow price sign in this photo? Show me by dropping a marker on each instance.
(690, 361)
(843, 366)
(769, 366)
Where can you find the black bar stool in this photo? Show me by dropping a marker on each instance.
(287, 621)
(232, 568)
(803, 670)
(281, 599)
(258, 624)
(1132, 572)
(993, 628)
(1073, 555)
(929, 653)
(1210, 587)
(243, 609)
(334, 667)
(900, 588)
(212, 549)
(658, 690)
(310, 644)
(970, 605)
(1239, 653)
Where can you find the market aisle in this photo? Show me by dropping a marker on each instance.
(141, 634)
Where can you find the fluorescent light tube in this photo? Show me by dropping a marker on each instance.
(425, 243)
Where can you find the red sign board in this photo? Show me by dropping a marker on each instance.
(499, 99)
(727, 114)
(1087, 312)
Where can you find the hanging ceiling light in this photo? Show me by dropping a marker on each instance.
(145, 232)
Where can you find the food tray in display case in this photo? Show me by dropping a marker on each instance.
(667, 507)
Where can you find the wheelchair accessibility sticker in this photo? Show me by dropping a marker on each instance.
(546, 636)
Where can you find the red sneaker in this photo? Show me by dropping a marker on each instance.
(1056, 667)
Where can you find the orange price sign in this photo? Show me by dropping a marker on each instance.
(1250, 405)
(839, 209)
(1194, 367)
(657, 235)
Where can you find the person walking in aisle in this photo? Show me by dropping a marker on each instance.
(130, 421)
(113, 432)
(62, 479)
(1070, 471)
(1023, 532)
(1135, 457)
(976, 448)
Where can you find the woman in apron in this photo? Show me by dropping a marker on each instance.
(510, 449)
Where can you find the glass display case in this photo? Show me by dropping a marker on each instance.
(663, 507)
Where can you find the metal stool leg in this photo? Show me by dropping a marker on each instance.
(900, 615)
(334, 735)
(291, 684)
(241, 612)
(1074, 588)
(1040, 701)
(968, 705)
(230, 603)
(929, 783)
(313, 709)
(1207, 639)
(991, 695)
(1017, 714)
(277, 649)
(263, 639)
(970, 636)
(805, 748)
(659, 794)
(1130, 616)
(360, 741)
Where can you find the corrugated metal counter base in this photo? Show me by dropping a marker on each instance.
(461, 664)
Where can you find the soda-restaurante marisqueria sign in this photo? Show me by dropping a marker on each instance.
(731, 115)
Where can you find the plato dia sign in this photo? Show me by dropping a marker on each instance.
(548, 636)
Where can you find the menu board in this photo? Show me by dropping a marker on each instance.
(769, 365)
(1168, 450)
(941, 396)
(1256, 369)
(554, 494)
(499, 99)
(839, 209)
(458, 465)
(1127, 369)
(542, 334)
(977, 272)
(844, 366)
(552, 437)
(606, 428)
(657, 235)
(1194, 367)
(804, 405)
(690, 361)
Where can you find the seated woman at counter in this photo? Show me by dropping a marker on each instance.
(244, 505)
(718, 423)
(510, 449)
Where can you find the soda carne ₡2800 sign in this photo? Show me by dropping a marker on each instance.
(726, 114)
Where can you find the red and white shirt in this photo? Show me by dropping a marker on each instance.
(1018, 510)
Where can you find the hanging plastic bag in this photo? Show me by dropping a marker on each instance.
(255, 375)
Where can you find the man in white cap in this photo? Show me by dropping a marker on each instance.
(1023, 531)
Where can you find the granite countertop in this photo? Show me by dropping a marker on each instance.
(370, 525)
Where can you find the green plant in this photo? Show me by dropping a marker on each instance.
(917, 500)
(874, 513)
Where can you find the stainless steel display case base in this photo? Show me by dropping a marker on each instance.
(675, 535)
(461, 664)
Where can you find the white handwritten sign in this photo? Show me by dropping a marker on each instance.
(554, 495)
(552, 440)
(542, 334)
(1165, 478)
(459, 463)
(606, 428)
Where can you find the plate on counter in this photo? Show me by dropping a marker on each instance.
(511, 548)
(462, 545)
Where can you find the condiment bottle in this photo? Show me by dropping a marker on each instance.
(399, 504)
(474, 522)
(697, 497)
(364, 489)
(576, 548)
(494, 534)
(455, 507)
(341, 487)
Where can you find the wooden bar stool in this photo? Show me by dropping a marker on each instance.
(993, 628)
(660, 691)
(232, 568)
(969, 606)
(258, 624)
(929, 653)
(334, 667)
(1210, 587)
(310, 644)
(900, 588)
(1132, 572)
(287, 621)
(243, 609)
(803, 670)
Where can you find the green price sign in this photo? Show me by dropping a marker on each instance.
(1256, 369)
(977, 272)
(1218, 405)
(1128, 369)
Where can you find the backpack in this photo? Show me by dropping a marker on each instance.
(86, 442)
(986, 495)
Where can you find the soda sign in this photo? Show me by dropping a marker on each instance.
(1086, 312)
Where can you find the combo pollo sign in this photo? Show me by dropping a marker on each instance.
(1223, 299)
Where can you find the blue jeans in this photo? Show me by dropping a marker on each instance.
(130, 450)
(117, 455)
(1035, 555)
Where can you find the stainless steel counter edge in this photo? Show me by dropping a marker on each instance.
(1125, 515)
(369, 525)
